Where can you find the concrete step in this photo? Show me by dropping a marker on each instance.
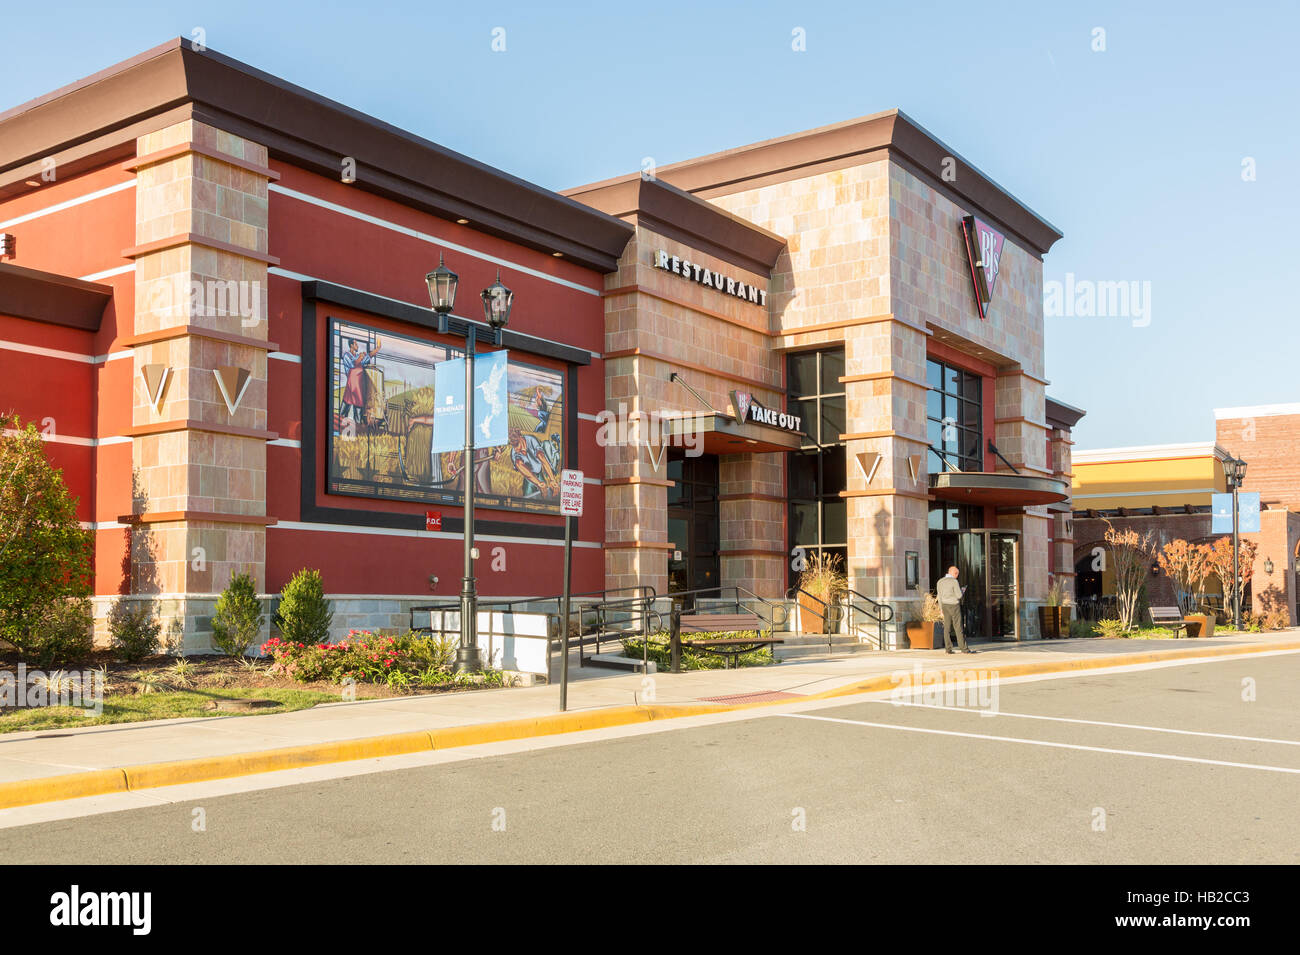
(815, 645)
(617, 661)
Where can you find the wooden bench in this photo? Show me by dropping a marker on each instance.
(730, 650)
(1168, 617)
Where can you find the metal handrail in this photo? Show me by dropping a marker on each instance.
(876, 611)
(737, 589)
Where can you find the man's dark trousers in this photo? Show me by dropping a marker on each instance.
(951, 624)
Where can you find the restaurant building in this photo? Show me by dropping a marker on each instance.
(1166, 491)
(213, 303)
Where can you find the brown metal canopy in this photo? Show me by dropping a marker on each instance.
(722, 434)
(997, 490)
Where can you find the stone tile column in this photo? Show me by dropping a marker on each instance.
(200, 368)
(751, 518)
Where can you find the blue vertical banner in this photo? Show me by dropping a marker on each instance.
(491, 399)
(1247, 513)
(449, 406)
(1221, 514)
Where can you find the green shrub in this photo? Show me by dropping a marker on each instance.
(237, 620)
(660, 651)
(64, 634)
(134, 629)
(304, 615)
(1111, 628)
(1082, 628)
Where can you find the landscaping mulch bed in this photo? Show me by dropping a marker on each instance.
(217, 672)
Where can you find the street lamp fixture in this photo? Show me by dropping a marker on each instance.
(442, 283)
(497, 300)
(1268, 566)
(1234, 472)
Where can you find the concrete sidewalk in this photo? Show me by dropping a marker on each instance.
(64, 763)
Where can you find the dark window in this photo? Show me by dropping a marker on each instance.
(954, 411)
(818, 516)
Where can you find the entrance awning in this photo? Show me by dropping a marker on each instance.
(723, 434)
(997, 490)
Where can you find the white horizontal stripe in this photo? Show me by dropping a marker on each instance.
(299, 277)
(285, 356)
(597, 481)
(1190, 490)
(1147, 452)
(109, 273)
(65, 355)
(425, 237)
(48, 352)
(102, 525)
(1295, 771)
(1066, 719)
(284, 443)
(59, 207)
(57, 438)
(583, 416)
(1256, 411)
(403, 532)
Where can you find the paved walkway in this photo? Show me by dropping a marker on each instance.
(33, 756)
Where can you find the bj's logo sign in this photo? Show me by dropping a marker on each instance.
(984, 252)
(747, 409)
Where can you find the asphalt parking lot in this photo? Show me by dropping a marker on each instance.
(1197, 763)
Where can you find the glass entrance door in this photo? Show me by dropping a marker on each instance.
(988, 566)
(693, 563)
(1003, 585)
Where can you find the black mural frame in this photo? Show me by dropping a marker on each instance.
(314, 397)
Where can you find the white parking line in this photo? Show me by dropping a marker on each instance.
(1041, 742)
(1066, 719)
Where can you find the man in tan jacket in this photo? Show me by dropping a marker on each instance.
(950, 593)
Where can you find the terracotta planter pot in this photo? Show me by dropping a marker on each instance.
(925, 635)
(1199, 624)
(811, 615)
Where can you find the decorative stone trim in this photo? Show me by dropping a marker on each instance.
(215, 517)
(193, 238)
(198, 331)
(163, 427)
(185, 149)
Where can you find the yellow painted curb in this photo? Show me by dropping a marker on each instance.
(95, 782)
(151, 775)
(174, 773)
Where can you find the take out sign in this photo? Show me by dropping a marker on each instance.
(747, 409)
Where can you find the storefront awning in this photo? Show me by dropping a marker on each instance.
(722, 434)
(997, 490)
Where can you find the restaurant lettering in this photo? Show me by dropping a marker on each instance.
(710, 279)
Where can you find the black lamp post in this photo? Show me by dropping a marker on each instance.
(1234, 470)
(497, 300)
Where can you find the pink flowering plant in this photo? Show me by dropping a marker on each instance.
(404, 661)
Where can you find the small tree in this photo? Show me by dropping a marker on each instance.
(1187, 566)
(1219, 558)
(45, 556)
(1130, 557)
(237, 620)
(304, 615)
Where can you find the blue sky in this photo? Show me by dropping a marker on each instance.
(1135, 152)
